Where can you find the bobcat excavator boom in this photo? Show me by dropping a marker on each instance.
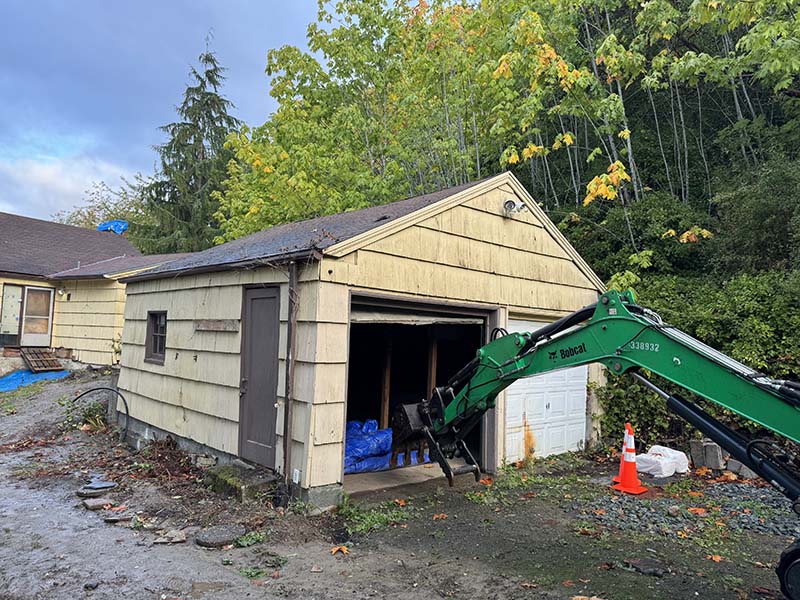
(625, 337)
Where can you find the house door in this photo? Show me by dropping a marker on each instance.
(10, 312)
(258, 389)
(37, 317)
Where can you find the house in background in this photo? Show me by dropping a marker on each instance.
(60, 289)
(264, 347)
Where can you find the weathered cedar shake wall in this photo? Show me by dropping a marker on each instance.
(469, 254)
(195, 393)
(90, 322)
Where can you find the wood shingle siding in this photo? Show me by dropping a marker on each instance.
(88, 319)
(456, 248)
(199, 379)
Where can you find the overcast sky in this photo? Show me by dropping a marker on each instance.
(85, 84)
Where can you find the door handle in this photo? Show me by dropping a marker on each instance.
(243, 386)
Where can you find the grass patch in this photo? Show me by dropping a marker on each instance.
(9, 400)
(77, 414)
(682, 487)
(358, 519)
(511, 481)
(253, 572)
(250, 539)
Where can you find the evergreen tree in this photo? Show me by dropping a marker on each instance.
(180, 197)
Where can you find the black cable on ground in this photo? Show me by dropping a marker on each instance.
(124, 434)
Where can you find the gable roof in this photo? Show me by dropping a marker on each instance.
(507, 178)
(298, 238)
(343, 233)
(113, 268)
(37, 248)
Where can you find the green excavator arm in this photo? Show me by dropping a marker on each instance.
(624, 337)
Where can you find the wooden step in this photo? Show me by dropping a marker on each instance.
(40, 359)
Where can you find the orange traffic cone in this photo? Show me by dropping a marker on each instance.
(628, 432)
(628, 478)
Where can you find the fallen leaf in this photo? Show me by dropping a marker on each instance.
(400, 502)
(486, 481)
(695, 494)
(702, 471)
(276, 574)
(727, 476)
(439, 516)
(715, 557)
(340, 550)
(528, 585)
(606, 566)
(762, 591)
(697, 510)
(599, 511)
(761, 565)
(568, 583)
(682, 534)
(119, 508)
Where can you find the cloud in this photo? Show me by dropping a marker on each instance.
(40, 187)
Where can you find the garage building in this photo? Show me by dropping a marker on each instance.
(347, 316)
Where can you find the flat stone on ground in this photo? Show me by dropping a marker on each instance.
(90, 493)
(100, 484)
(219, 535)
(173, 536)
(118, 517)
(97, 503)
(647, 566)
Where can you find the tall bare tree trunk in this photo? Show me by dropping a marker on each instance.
(660, 141)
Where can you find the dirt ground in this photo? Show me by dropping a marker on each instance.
(549, 531)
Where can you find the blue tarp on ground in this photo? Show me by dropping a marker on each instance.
(23, 377)
(368, 449)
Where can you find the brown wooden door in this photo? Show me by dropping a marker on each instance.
(258, 389)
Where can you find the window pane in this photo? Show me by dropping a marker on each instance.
(36, 325)
(37, 303)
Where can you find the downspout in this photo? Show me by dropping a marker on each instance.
(291, 339)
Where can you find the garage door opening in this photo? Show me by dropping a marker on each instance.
(398, 358)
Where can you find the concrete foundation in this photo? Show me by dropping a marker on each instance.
(140, 434)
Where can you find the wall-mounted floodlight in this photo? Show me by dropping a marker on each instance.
(512, 206)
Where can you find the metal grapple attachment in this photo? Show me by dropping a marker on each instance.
(412, 427)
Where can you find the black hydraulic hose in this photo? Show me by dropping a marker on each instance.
(736, 444)
(124, 434)
(467, 371)
(579, 316)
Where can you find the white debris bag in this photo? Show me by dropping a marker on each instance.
(661, 461)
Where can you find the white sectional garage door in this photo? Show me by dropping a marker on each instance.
(552, 407)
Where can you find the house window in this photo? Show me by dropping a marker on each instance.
(156, 344)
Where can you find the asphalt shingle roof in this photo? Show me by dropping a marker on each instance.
(301, 236)
(38, 248)
(119, 264)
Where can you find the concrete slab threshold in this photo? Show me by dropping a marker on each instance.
(359, 484)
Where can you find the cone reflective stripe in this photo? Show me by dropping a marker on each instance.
(628, 477)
